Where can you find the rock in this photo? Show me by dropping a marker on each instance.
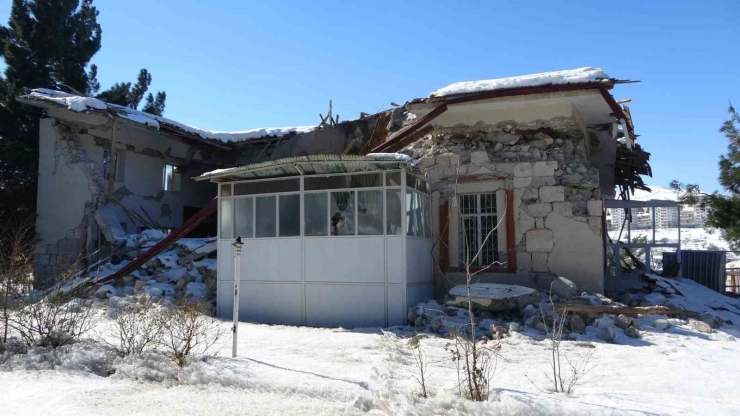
(623, 321)
(138, 285)
(700, 326)
(128, 280)
(529, 310)
(631, 332)
(662, 324)
(556, 285)
(104, 290)
(485, 315)
(607, 334)
(493, 297)
(577, 324)
(654, 299)
(713, 321)
(541, 328)
(531, 321)
(515, 327)
(478, 157)
(541, 239)
(162, 279)
(180, 285)
(552, 194)
(498, 331)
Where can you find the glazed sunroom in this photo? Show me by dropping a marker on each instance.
(328, 240)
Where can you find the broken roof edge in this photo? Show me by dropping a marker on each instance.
(47, 98)
(397, 159)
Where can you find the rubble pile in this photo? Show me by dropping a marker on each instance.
(499, 310)
(187, 270)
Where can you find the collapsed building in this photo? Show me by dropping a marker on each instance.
(515, 171)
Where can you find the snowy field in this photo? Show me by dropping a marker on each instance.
(310, 371)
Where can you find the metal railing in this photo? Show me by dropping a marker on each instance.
(732, 280)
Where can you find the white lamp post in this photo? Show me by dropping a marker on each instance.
(237, 256)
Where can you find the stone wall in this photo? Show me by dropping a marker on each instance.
(557, 197)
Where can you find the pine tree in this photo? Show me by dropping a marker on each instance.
(49, 44)
(46, 44)
(723, 210)
(122, 93)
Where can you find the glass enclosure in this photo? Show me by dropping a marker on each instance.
(338, 205)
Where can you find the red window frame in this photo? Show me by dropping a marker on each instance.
(444, 248)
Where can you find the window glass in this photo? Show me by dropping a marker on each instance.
(243, 217)
(226, 214)
(370, 212)
(267, 187)
(342, 213)
(168, 178)
(416, 183)
(393, 179)
(226, 190)
(290, 215)
(477, 229)
(412, 218)
(419, 213)
(316, 214)
(427, 216)
(393, 211)
(343, 181)
(265, 216)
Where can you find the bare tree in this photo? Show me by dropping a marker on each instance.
(475, 361)
(420, 370)
(577, 369)
(188, 328)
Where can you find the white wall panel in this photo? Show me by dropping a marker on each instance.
(396, 315)
(345, 259)
(417, 293)
(225, 264)
(276, 259)
(349, 306)
(419, 261)
(271, 303)
(225, 299)
(394, 259)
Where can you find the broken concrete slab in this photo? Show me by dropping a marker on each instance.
(493, 297)
(109, 225)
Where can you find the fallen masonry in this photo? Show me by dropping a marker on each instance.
(499, 310)
(187, 270)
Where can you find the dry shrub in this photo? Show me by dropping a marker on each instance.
(136, 329)
(188, 328)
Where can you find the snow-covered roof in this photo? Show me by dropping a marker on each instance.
(311, 165)
(569, 76)
(80, 103)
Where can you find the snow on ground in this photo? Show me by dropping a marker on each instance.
(313, 371)
(569, 76)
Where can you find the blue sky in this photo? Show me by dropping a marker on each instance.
(234, 65)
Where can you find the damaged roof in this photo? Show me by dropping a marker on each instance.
(310, 165)
(583, 75)
(82, 104)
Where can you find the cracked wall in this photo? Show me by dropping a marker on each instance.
(72, 185)
(556, 187)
